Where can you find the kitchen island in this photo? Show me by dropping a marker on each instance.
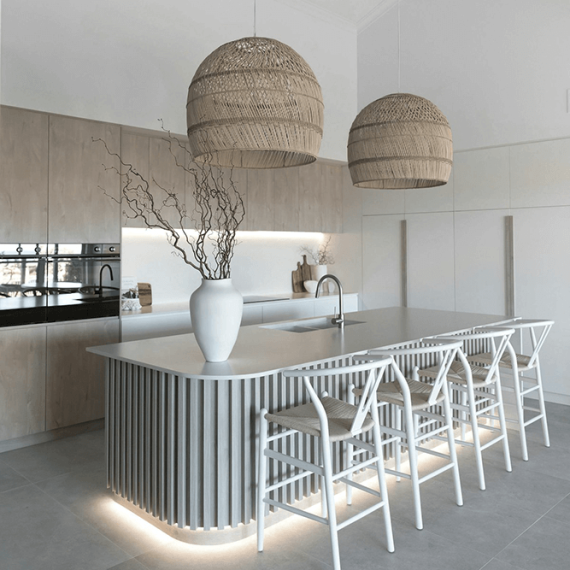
(181, 433)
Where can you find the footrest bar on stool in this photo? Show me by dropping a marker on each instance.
(532, 420)
(296, 511)
(359, 515)
(361, 487)
(435, 473)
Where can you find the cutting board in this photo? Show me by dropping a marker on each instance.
(145, 294)
(301, 274)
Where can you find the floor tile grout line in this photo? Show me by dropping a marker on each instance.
(16, 488)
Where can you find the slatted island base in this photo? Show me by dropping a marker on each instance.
(181, 434)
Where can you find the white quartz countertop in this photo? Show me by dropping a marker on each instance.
(262, 351)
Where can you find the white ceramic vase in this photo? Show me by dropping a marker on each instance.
(216, 308)
(318, 271)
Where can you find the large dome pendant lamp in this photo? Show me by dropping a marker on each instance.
(400, 141)
(255, 103)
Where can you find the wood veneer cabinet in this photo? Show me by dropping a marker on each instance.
(22, 381)
(78, 209)
(24, 176)
(75, 388)
(307, 198)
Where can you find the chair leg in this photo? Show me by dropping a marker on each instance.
(451, 442)
(261, 482)
(464, 413)
(413, 456)
(398, 442)
(541, 406)
(476, 439)
(349, 450)
(382, 479)
(503, 424)
(327, 466)
(520, 412)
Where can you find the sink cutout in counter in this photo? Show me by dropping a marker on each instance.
(310, 325)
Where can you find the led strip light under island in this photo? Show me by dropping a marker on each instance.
(181, 433)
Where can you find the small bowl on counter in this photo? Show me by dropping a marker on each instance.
(310, 286)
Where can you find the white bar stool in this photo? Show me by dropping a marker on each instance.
(524, 385)
(330, 420)
(474, 384)
(416, 399)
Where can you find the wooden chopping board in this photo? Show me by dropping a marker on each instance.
(301, 274)
(145, 294)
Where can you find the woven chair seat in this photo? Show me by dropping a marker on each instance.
(487, 358)
(391, 393)
(458, 375)
(305, 419)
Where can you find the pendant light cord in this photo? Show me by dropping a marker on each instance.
(254, 18)
(399, 47)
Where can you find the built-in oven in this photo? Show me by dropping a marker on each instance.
(58, 282)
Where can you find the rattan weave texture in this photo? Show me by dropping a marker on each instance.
(400, 141)
(255, 103)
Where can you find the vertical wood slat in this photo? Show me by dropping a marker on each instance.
(135, 436)
(181, 453)
(162, 445)
(110, 421)
(128, 435)
(117, 434)
(154, 444)
(236, 450)
(222, 454)
(170, 386)
(510, 298)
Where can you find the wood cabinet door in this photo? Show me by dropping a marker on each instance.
(259, 214)
(22, 381)
(75, 390)
(24, 176)
(286, 199)
(134, 151)
(80, 173)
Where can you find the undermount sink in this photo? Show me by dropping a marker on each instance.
(310, 325)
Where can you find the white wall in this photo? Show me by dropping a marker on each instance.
(499, 71)
(131, 61)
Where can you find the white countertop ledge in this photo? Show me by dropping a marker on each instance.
(184, 306)
(263, 351)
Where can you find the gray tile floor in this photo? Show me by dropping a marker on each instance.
(56, 514)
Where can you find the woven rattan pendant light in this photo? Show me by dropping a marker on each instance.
(400, 141)
(255, 103)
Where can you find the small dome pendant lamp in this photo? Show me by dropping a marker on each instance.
(400, 141)
(255, 103)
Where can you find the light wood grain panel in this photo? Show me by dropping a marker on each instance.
(165, 174)
(135, 151)
(286, 199)
(331, 198)
(22, 381)
(24, 176)
(78, 209)
(260, 200)
(75, 390)
(310, 207)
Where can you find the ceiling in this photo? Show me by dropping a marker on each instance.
(355, 13)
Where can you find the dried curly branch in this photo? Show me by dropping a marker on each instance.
(322, 255)
(218, 211)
